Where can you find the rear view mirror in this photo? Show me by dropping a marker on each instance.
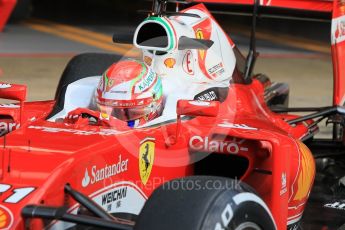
(197, 108)
(186, 43)
(13, 91)
(192, 108)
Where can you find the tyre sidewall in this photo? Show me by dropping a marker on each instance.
(231, 209)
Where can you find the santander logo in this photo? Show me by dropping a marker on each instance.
(86, 180)
(101, 173)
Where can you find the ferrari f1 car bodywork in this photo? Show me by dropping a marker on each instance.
(217, 124)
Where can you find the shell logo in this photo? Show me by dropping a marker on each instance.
(170, 62)
(6, 218)
(148, 60)
(104, 116)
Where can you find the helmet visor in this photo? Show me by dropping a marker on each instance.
(126, 114)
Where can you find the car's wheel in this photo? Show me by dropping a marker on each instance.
(79, 67)
(197, 203)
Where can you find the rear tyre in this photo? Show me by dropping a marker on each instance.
(197, 203)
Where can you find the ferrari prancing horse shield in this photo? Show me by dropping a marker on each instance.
(146, 158)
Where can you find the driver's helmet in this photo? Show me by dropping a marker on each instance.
(130, 91)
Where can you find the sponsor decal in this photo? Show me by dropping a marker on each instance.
(86, 179)
(131, 202)
(110, 83)
(283, 181)
(102, 132)
(146, 158)
(6, 218)
(146, 82)
(5, 86)
(203, 30)
(200, 35)
(335, 205)
(99, 174)
(121, 197)
(6, 127)
(226, 124)
(188, 63)
(104, 116)
(338, 30)
(216, 70)
(17, 193)
(9, 106)
(198, 143)
(208, 96)
(148, 60)
(170, 63)
(119, 91)
(114, 195)
(301, 183)
(306, 174)
(100, 86)
(266, 2)
(200, 103)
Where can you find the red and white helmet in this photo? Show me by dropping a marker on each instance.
(130, 91)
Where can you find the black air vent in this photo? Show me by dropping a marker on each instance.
(152, 35)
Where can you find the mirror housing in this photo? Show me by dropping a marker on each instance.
(192, 108)
(13, 92)
(186, 43)
(197, 108)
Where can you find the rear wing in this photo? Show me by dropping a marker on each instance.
(333, 11)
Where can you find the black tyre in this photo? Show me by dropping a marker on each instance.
(197, 203)
(79, 67)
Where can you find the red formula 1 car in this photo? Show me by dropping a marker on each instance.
(225, 153)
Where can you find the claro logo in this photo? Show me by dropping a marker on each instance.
(198, 143)
(6, 127)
